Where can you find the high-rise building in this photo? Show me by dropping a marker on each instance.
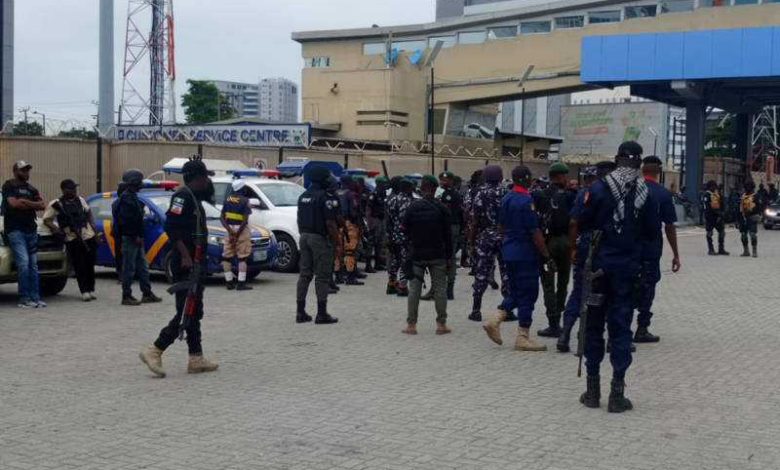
(6, 62)
(278, 100)
(243, 97)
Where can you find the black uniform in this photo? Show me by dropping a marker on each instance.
(375, 210)
(453, 201)
(712, 202)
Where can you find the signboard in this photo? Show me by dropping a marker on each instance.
(598, 130)
(254, 135)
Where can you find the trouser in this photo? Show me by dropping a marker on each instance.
(555, 295)
(375, 250)
(438, 270)
(191, 325)
(82, 256)
(452, 271)
(715, 222)
(316, 262)
(523, 290)
(399, 256)
(134, 265)
(24, 246)
(748, 228)
(651, 275)
(351, 241)
(574, 304)
(488, 249)
(616, 313)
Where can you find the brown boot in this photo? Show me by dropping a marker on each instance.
(200, 364)
(442, 329)
(411, 329)
(526, 343)
(152, 357)
(493, 327)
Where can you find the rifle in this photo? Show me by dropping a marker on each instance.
(192, 285)
(588, 297)
(70, 224)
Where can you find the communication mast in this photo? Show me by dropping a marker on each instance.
(764, 136)
(149, 88)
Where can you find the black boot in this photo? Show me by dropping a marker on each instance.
(609, 346)
(230, 284)
(510, 316)
(352, 279)
(618, 403)
(644, 336)
(552, 331)
(451, 291)
(710, 248)
(475, 316)
(493, 284)
(755, 250)
(302, 316)
(339, 277)
(592, 396)
(323, 318)
(369, 268)
(745, 250)
(722, 251)
(476, 309)
(333, 286)
(565, 337)
(243, 286)
(359, 274)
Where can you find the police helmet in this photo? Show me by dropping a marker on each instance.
(133, 177)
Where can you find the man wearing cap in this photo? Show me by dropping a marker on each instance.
(131, 220)
(317, 214)
(185, 225)
(71, 218)
(452, 200)
(554, 205)
(619, 209)
(21, 200)
(238, 243)
(487, 237)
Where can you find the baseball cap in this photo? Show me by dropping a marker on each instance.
(21, 165)
(68, 184)
(446, 175)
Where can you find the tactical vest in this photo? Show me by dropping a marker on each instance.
(556, 213)
(235, 209)
(71, 214)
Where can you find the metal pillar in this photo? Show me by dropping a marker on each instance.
(106, 68)
(694, 150)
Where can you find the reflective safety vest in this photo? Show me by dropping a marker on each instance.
(235, 209)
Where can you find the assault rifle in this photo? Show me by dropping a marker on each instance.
(588, 297)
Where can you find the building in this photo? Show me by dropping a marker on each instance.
(6, 61)
(243, 97)
(278, 100)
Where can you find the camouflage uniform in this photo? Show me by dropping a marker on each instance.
(485, 208)
(397, 204)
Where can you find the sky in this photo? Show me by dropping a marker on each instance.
(56, 45)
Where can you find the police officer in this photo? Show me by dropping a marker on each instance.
(238, 244)
(375, 215)
(349, 201)
(450, 197)
(712, 203)
(467, 259)
(331, 192)
(319, 235)
(749, 216)
(524, 252)
(652, 248)
(619, 209)
(398, 243)
(554, 205)
(131, 220)
(185, 225)
(487, 236)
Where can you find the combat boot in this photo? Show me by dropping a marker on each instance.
(493, 327)
(755, 251)
(323, 317)
(745, 251)
(618, 403)
(510, 316)
(642, 335)
(230, 285)
(130, 301)
(392, 288)
(722, 251)
(565, 337)
(442, 329)
(369, 269)
(339, 277)
(475, 316)
(451, 291)
(244, 286)
(524, 342)
(552, 331)
(710, 248)
(199, 365)
(152, 357)
(360, 274)
(352, 279)
(301, 315)
(592, 396)
(411, 329)
(150, 298)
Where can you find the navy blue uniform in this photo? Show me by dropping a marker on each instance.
(619, 257)
(663, 213)
(521, 258)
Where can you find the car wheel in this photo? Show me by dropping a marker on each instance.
(287, 257)
(52, 286)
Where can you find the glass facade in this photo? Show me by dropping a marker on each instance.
(502, 32)
(472, 37)
(597, 17)
(564, 22)
(644, 11)
(535, 27)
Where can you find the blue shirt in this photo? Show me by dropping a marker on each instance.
(663, 214)
(519, 220)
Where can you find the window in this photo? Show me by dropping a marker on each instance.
(535, 27)
(713, 3)
(448, 41)
(745, 2)
(676, 6)
(101, 208)
(374, 48)
(319, 62)
(598, 17)
(282, 195)
(472, 37)
(565, 22)
(410, 46)
(502, 32)
(645, 11)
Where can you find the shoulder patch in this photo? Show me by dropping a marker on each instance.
(177, 206)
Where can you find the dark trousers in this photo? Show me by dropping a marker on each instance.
(555, 284)
(523, 290)
(616, 314)
(574, 304)
(134, 265)
(82, 256)
(316, 262)
(651, 275)
(170, 333)
(714, 222)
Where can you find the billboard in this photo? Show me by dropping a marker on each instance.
(598, 130)
(254, 135)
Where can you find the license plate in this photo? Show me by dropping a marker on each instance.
(260, 256)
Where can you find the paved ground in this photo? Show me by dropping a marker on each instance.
(360, 395)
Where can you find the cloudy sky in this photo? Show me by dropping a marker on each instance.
(57, 44)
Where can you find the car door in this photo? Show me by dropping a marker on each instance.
(155, 239)
(101, 212)
(261, 214)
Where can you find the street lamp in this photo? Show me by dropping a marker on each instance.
(429, 63)
(44, 120)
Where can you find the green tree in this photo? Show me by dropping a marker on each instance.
(30, 128)
(82, 133)
(204, 103)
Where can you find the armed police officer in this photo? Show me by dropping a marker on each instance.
(319, 235)
(652, 248)
(451, 198)
(554, 205)
(618, 209)
(238, 243)
(749, 217)
(713, 205)
(375, 216)
(185, 225)
(398, 269)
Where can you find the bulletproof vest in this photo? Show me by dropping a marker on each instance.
(311, 217)
(557, 210)
(71, 214)
(748, 204)
(235, 209)
(715, 202)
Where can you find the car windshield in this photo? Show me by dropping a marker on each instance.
(164, 202)
(282, 195)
